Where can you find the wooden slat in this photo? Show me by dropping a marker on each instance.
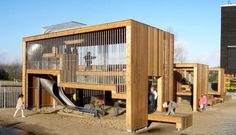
(150, 52)
(171, 67)
(161, 54)
(155, 52)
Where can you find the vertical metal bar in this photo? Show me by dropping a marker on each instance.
(4, 98)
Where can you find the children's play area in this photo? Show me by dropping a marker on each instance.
(125, 65)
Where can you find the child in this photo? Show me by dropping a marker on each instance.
(19, 106)
(201, 103)
(204, 100)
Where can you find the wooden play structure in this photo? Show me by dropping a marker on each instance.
(190, 82)
(216, 81)
(116, 59)
(216, 88)
(230, 82)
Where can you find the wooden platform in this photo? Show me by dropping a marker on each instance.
(211, 102)
(182, 120)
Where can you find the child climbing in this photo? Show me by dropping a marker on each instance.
(20, 106)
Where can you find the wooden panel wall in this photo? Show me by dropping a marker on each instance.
(149, 53)
(137, 76)
(160, 62)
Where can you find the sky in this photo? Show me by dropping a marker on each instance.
(195, 23)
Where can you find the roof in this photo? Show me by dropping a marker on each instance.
(63, 26)
(97, 27)
(228, 5)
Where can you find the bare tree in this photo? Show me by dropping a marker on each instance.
(180, 54)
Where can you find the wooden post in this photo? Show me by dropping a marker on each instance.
(128, 79)
(24, 75)
(160, 94)
(195, 88)
(38, 94)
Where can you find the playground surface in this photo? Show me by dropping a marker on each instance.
(217, 120)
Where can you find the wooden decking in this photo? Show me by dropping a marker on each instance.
(182, 120)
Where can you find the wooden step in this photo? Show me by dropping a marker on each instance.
(182, 120)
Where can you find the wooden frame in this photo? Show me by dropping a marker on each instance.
(199, 75)
(220, 85)
(149, 52)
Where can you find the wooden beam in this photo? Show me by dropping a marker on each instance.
(36, 71)
(118, 96)
(88, 86)
(183, 68)
(214, 93)
(184, 93)
(185, 65)
(98, 73)
(52, 55)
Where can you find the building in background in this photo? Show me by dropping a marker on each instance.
(228, 38)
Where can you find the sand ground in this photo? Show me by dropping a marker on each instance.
(217, 120)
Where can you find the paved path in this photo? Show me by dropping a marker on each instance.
(217, 120)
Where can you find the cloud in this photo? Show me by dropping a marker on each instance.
(181, 43)
(211, 58)
(195, 54)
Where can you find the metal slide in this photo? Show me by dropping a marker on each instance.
(57, 93)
